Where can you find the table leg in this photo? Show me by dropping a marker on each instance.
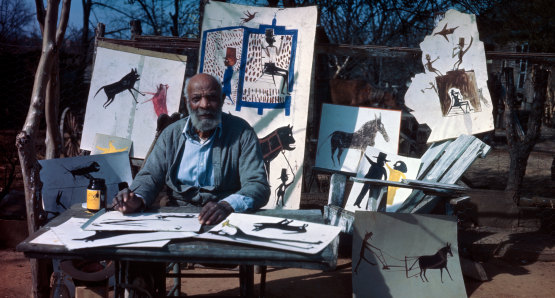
(246, 280)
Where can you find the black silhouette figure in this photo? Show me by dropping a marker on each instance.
(429, 65)
(367, 246)
(446, 31)
(282, 225)
(270, 55)
(278, 140)
(460, 52)
(126, 83)
(280, 190)
(59, 199)
(458, 102)
(85, 171)
(436, 261)
(376, 171)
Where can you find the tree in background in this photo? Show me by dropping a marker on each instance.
(15, 19)
(53, 33)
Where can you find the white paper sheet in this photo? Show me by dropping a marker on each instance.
(50, 238)
(158, 222)
(273, 232)
(73, 237)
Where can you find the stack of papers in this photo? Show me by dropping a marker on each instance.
(157, 229)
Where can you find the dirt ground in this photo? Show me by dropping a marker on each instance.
(509, 278)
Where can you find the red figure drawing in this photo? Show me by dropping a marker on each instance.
(159, 99)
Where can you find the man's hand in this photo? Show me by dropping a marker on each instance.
(213, 213)
(127, 202)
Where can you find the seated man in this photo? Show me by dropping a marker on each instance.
(208, 159)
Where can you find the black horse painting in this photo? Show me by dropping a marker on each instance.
(278, 140)
(126, 83)
(435, 261)
(360, 139)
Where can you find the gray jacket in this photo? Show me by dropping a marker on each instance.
(237, 165)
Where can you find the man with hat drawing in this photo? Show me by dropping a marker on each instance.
(229, 61)
(376, 171)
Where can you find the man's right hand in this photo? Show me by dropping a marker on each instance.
(127, 202)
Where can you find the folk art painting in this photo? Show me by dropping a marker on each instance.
(263, 57)
(273, 232)
(380, 165)
(405, 255)
(65, 180)
(452, 95)
(346, 131)
(129, 89)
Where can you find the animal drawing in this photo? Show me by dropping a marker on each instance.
(159, 99)
(85, 171)
(446, 31)
(278, 140)
(282, 225)
(360, 139)
(435, 261)
(126, 83)
(248, 16)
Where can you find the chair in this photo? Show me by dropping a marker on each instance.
(442, 165)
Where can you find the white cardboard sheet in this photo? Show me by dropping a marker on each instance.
(157, 222)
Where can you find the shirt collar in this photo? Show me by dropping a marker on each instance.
(190, 133)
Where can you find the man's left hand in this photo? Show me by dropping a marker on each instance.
(213, 213)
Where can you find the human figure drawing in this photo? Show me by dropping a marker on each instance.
(229, 61)
(367, 246)
(270, 53)
(376, 171)
(395, 174)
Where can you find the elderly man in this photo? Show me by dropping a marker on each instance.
(208, 159)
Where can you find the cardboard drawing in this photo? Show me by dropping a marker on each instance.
(405, 255)
(452, 95)
(65, 180)
(394, 168)
(263, 57)
(129, 89)
(159, 222)
(73, 237)
(110, 144)
(346, 131)
(273, 232)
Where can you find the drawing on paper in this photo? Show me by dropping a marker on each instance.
(283, 225)
(158, 99)
(126, 83)
(399, 253)
(84, 171)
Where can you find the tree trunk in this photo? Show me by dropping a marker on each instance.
(522, 142)
(53, 138)
(25, 140)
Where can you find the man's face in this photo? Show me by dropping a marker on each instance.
(204, 102)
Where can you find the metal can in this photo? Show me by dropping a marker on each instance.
(96, 194)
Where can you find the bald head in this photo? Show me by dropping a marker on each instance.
(204, 101)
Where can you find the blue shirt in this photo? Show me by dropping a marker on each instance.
(196, 167)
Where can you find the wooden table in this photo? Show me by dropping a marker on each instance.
(193, 250)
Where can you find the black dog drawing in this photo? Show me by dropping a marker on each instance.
(126, 83)
(85, 171)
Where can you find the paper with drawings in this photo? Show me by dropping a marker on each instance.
(160, 222)
(273, 232)
(50, 238)
(73, 237)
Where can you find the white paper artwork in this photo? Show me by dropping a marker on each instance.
(405, 255)
(65, 180)
(110, 144)
(129, 89)
(274, 232)
(73, 237)
(395, 168)
(346, 131)
(50, 238)
(452, 95)
(161, 222)
(263, 57)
